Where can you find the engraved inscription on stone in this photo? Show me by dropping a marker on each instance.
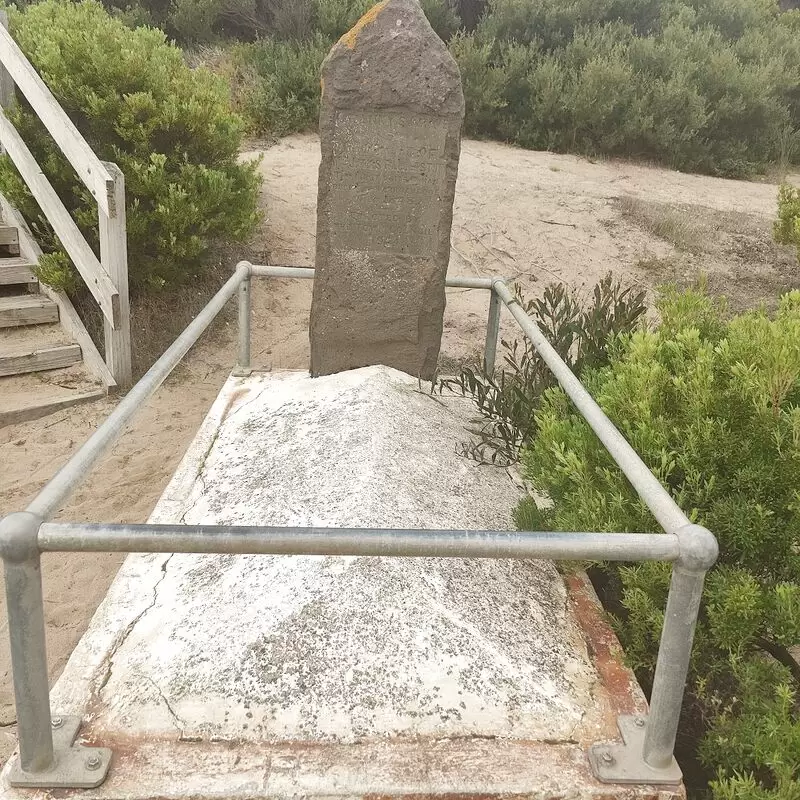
(389, 170)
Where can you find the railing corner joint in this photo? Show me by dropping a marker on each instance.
(19, 536)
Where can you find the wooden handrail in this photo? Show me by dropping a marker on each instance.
(86, 262)
(77, 151)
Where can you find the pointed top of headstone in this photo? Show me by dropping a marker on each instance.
(393, 58)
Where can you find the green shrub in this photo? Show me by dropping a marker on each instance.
(705, 85)
(581, 335)
(484, 84)
(55, 269)
(442, 17)
(195, 22)
(168, 128)
(787, 227)
(713, 408)
(333, 18)
(283, 94)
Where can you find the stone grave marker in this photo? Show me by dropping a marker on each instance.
(390, 128)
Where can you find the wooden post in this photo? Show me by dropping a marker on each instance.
(114, 258)
(7, 98)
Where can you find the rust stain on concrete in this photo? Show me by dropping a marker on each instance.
(625, 694)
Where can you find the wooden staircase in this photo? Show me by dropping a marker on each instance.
(42, 365)
(47, 358)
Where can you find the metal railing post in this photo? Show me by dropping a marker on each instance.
(699, 552)
(48, 753)
(492, 332)
(646, 754)
(672, 667)
(243, 360)
(23, 574)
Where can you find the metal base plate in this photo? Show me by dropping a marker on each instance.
(624, 763)
(76, 766)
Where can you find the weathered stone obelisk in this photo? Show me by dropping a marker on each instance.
(390, 127)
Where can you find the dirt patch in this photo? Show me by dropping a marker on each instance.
(732, 253)
(533, 217)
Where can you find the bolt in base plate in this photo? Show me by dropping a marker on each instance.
(76, 766)
(624, 763)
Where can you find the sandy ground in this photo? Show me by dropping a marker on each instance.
(534, 217)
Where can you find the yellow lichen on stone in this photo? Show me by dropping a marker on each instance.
(350, 38)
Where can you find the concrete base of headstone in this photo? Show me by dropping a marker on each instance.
(221, 676)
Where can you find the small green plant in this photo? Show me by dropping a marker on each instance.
(787, 226)
(169, 129)
(712, 405)
(581, 335)
(55, 269)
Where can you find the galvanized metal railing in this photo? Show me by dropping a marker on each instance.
(48, 756)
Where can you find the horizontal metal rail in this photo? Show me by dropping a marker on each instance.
(266, 540)
(647, 757)
(261, 271)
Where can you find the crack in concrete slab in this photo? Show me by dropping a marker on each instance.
(179, 723)
(233, 412)
(187, 511)
(108, 661)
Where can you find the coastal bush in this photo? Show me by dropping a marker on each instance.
(169, 129)
(281, 74)
(703, 86)
(581, 333)
(712, 405)
(699, 85)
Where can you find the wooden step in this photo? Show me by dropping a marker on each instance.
(19, 361)
(41, 404)
(27, 309)
(9, 239)
(16, 270)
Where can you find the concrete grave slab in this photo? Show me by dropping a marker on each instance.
(216, 676)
